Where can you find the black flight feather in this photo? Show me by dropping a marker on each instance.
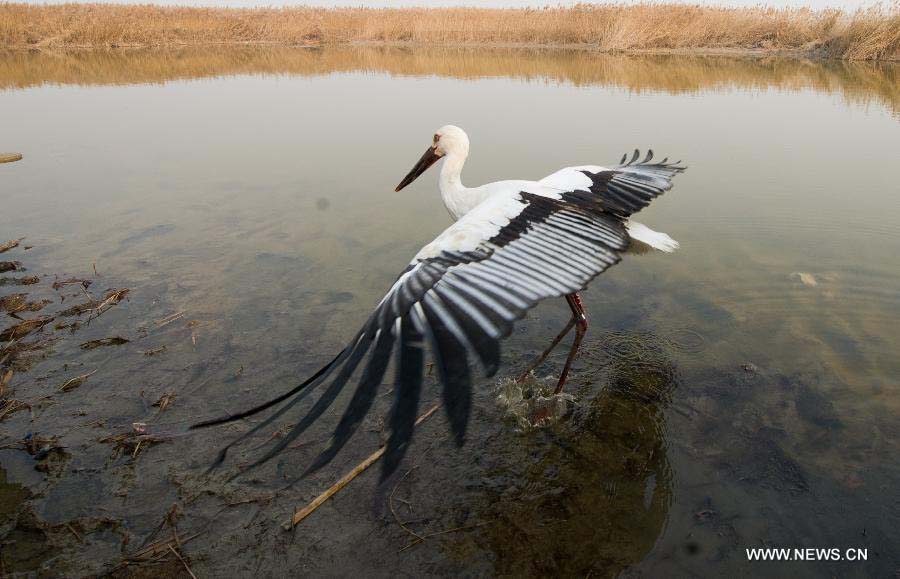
(407, 391)
(324, 401)
(453, 369)
(361, 402)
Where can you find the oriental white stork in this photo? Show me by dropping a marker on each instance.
(513, 244)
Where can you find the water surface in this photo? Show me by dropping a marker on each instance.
(742, 392)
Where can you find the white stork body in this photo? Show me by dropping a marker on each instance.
(460, 200)
(513, 244)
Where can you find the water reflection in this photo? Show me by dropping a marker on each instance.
(591, 495)
(857, 82)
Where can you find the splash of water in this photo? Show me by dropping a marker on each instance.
(531, 404)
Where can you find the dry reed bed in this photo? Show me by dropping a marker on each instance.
(859, 82)
(862, 35)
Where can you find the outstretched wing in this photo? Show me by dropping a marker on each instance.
(623, 189)
(460, 295)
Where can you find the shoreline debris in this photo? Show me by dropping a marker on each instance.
(132, 442)
(73, 383)
(4, 247)
(111, 341)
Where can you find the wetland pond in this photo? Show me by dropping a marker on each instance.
(743, 392)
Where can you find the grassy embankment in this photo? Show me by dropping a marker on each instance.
(872, 34)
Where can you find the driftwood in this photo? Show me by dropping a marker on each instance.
(10, 157)
(345, 480)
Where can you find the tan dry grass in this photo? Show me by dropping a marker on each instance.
(863, 35)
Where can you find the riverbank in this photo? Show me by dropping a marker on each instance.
(872, 34)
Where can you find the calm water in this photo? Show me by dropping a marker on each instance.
(724, 400)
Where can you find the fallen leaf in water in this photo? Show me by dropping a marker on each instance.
(12, 303)
(807, 279)
(78, 309)
(73, 383)
(10, 244)
(113, 341)
(9, 266)
(15, 303)
(7, 377)
(164, 401)
(28, 280)
(23, 329)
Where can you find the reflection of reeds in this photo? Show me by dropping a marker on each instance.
(858, 82)
(864, 34)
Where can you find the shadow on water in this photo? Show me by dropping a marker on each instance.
(591, 493)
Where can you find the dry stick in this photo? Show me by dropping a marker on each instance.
(152, 548)
(317, 502)
(74, 532)
(169, 319)
(183, 562)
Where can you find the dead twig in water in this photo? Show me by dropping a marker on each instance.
(444, 532)
(345, 480)
(394, 511)
(74, 532)
(112, 298)
(183, 562)
(169, 319)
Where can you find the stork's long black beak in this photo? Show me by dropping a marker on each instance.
(428, 159)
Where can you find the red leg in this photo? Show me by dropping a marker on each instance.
(553, 344)
(581, 326)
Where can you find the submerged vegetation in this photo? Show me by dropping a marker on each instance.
(869, 34)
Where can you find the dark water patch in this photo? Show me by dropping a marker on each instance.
(337, 297)
(590, 494)
(765, 464)
(814, 406)
(145, 234)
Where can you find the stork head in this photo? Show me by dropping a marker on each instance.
(448, 140)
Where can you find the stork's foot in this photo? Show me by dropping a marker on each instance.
(550, 409)
(541, 417)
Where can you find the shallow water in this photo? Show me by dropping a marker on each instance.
(740, 393)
